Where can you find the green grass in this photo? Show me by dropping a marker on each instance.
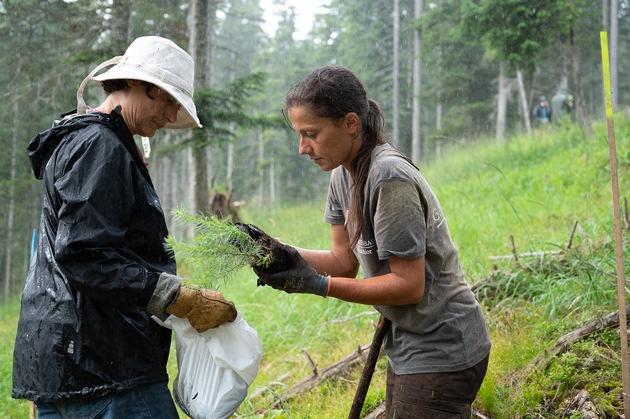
(530, 190)
(526, 189)
(9, 408)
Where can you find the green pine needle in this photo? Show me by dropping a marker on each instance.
(218, 250)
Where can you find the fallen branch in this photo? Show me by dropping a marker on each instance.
(258, 392)
(332, 371)
(477, 414)
(581, 403)
(539, 363)
(378, 413)
(515, 255)
(528, 254)
(347, 319)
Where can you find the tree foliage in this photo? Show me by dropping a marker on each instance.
(519, 30)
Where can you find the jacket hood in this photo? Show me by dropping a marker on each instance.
(42, 146)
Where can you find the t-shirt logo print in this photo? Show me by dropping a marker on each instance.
(366, 247)
(438, 218)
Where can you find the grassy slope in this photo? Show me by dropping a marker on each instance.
(527, 189)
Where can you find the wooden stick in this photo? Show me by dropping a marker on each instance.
(621, 291)
(368, 369)
(625, 213)
(311, 363)
(572, 234)
(514, 253)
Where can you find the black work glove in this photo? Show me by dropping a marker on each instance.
(300, 278)
(279, 259)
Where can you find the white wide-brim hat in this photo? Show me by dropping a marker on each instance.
(158, 61)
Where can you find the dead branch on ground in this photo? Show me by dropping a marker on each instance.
(348, 319)
(581, 403)
(626, 218)
(334, 370)
(516, 255)
(539, 363)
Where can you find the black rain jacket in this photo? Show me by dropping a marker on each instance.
(84, 330)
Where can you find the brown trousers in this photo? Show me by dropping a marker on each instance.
(435, 395)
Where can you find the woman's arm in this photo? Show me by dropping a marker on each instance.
(338, 261)
(403, 285)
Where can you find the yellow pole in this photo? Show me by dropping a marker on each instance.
(621, 290)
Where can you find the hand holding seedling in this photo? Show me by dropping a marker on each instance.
(278, 260)
(220, 248)
(299, 278)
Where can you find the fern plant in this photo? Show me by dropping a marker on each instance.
(218, 250)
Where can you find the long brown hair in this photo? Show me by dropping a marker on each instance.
(333, 92)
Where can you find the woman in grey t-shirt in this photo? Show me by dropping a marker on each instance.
(386, 219)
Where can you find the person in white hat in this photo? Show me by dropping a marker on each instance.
(87, 345)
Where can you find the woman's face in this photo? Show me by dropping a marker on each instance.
(148, 111)
(329, 143)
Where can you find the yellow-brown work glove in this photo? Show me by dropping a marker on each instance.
(204, 309)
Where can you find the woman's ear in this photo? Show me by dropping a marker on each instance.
(352, 123)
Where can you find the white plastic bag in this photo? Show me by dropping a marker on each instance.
(215, 367)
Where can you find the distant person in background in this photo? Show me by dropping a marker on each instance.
(86, 344)
(386, 219)
(542, 115)
(561, 104)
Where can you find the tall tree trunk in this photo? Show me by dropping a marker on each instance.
(395, 76)
(211, 45)
(196, 175)
(581, 113)
(200, 49)
(523, 97)
(272, 180)
(502, 97)
(229, 175)
(439, 109)
(197, 179)
(614, 50)
(438, 106)
(261, 156)
(564, 78)
(166, 179)
(8, 248)
(120, 25)
(416, 144)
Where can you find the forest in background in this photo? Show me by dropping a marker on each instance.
(445, 72)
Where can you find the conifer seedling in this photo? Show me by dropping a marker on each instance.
(218, 250)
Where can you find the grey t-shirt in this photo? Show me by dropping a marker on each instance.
(402, 217)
